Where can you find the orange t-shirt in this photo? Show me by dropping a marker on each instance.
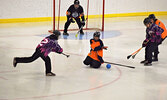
(160, 24)
(94, 54)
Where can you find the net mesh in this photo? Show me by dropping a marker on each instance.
(93, 10)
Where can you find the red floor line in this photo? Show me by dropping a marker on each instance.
(3, 78)
(75, 92)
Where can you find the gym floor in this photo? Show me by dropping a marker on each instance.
(73, 80)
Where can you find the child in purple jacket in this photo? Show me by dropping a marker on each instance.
(153, 39)
(47, 45)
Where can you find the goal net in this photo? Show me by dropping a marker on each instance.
(93, 10)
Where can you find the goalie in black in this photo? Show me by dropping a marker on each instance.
(76, 12)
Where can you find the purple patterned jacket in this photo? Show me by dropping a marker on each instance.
(153, 34)
(48, 45)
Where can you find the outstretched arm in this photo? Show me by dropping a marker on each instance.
(57, 49)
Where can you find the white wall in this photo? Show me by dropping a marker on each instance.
(129, 6)
(43, 8)
(24, 8)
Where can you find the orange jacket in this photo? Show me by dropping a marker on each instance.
(160, 24)
(96, 52)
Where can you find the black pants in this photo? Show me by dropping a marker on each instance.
(91, 62)
(35, 56)
(156, 52)
(67, 24)
(150, 48)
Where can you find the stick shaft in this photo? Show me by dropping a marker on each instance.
(120, 64)
(136, 54)
(137, 51)
(81, 27)
(64, 54)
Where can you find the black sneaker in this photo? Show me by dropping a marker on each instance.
(66, 34)
(14, 62)
(144, 61)
(147, 64)
(50, 74)
(154, 60)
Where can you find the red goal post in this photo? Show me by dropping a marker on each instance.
(98, 17)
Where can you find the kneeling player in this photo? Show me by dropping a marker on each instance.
(94, 58)
(47, 45)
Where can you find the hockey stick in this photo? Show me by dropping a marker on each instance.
(120, 65)
(76, 35)
(66, 55)
(134, 53)
(117, 64)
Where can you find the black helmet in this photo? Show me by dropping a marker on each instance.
(147, 21)
(96, 34)
(152, 16)
(55, 35)
(76, 2)
(56, 32)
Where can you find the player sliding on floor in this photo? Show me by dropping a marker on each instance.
(47, 45)
(75, 11)
(94, 58)
(153, 39)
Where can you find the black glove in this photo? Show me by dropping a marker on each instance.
(69, 18)
(144, 43)
(105, 47)
(72, 20)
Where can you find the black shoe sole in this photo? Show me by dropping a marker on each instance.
(147, 64)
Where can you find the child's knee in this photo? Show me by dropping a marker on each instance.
(87, 61)
(95, 64)
(47, 59)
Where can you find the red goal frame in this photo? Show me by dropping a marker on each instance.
(87, 13)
